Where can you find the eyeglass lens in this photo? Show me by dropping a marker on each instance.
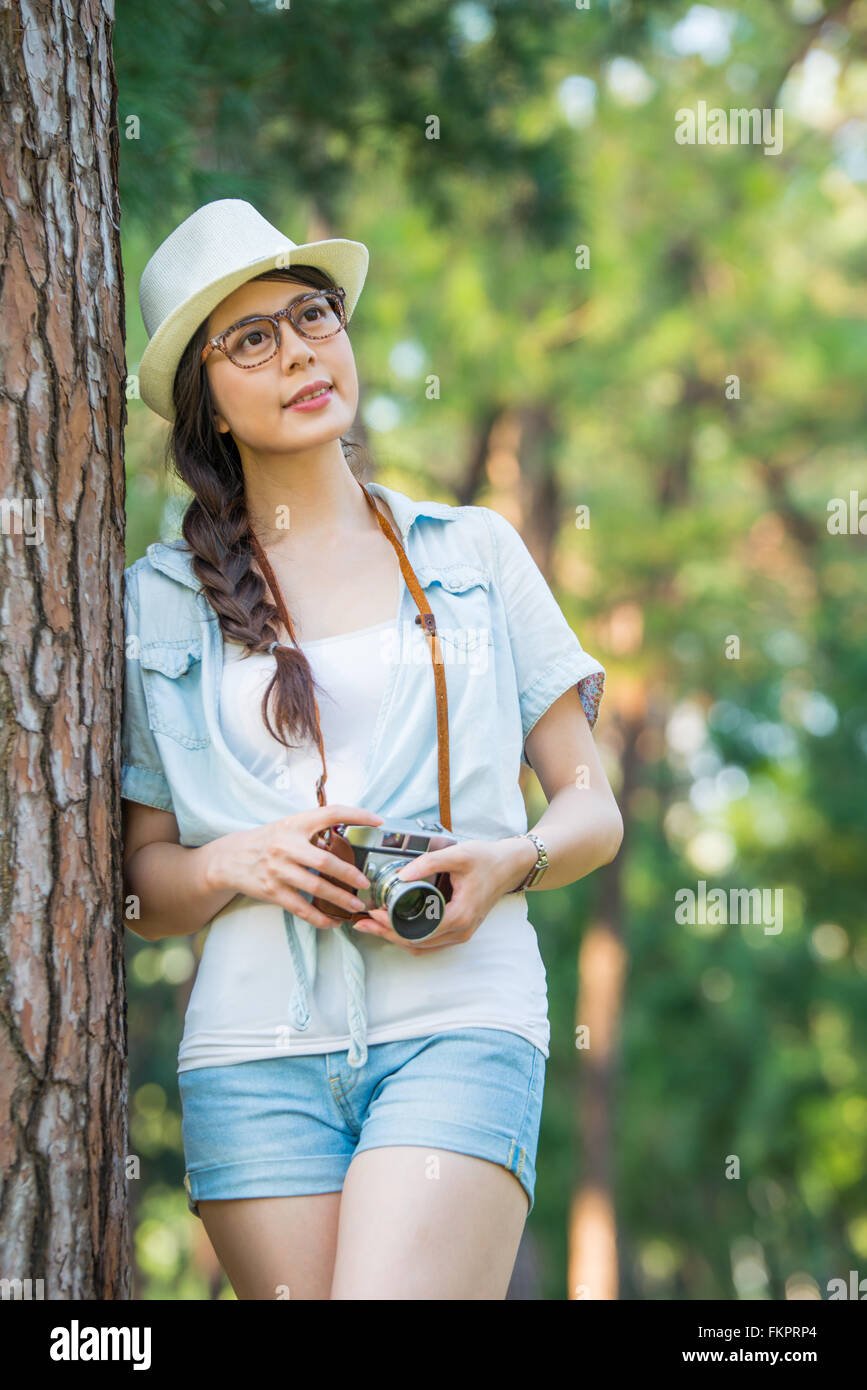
(256, 341)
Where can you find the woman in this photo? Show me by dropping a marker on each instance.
(360, 1111)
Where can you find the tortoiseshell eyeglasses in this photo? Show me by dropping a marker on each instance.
(255, 340)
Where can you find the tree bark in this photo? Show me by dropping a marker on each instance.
(63, 1068)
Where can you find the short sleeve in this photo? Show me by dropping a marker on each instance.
(143, 778)
(548, 656)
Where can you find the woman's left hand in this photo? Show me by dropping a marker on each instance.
(481, 871)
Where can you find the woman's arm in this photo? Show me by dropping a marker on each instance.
(168, 880)
(180, 889)
(582, 827)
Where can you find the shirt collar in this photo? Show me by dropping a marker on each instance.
(405, 511)
(174, 558)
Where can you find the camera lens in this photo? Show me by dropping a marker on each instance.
(410, 904)
(415, 910)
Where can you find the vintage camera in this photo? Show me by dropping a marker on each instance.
(415, 909)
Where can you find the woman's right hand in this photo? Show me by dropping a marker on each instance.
(272, 862)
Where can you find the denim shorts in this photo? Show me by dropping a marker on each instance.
(289, 1126)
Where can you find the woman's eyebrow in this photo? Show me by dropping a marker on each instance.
(261, 313)
(299, 295)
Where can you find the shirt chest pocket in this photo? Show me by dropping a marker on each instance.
(172, 681)
(458, 595)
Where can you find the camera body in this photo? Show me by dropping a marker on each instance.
(415, 909)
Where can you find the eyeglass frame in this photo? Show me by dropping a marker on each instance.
(218, 341)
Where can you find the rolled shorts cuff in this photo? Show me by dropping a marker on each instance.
(462, 1139)
(249, 1178)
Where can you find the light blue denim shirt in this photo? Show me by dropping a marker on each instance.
(508, 653)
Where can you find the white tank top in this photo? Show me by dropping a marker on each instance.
(350, 684)
(238, 1007)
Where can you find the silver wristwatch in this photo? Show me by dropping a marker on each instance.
(536, 870)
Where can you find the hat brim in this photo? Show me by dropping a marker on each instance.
(345, 261)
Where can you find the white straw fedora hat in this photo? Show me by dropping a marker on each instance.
(219, 247)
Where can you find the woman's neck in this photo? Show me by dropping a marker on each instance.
(306, 508)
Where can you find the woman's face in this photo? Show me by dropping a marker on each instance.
(252, 403)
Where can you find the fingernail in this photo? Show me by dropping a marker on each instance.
(356, 902)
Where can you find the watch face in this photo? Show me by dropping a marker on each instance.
(539, 867)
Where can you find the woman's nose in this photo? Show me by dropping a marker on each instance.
(294, 348)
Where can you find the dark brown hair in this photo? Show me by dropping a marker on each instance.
(217, 528)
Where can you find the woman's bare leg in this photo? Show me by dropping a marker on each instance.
(425, 1223)
(275, 1247)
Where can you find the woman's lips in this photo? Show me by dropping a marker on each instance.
(313, 403)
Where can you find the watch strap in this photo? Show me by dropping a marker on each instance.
(536, 870)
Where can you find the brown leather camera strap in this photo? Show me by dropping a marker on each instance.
(429, 626)
(427, 622)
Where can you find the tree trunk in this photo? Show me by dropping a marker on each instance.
(602, 960)
(541, 507)
(63, 1069)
